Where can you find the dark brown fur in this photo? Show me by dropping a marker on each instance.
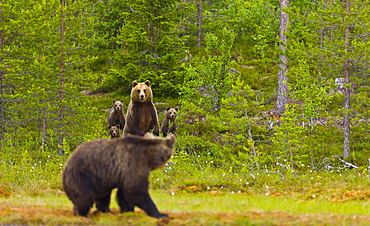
(98, 166)
(141, 114)
(116, 115)
(168, 123)
(114, 131)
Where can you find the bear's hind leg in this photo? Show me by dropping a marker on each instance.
(123, 203)
(102, 204)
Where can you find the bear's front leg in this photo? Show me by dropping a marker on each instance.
(102, 204)
(82, 207)
(155, 127)
(173, 128)
(141, 199)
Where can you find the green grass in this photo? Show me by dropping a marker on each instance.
(195, 192)
(211, 208)
(237, 203)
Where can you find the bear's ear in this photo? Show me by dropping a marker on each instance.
(171, 139)
(114, 101)
(118, 126)
(147, 82)
(109, 127)
(149, 135)
(168, 108)
(121, 101)
(177, 109)
(134, 83)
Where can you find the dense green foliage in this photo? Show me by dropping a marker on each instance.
(61, 66)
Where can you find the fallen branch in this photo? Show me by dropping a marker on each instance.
(347, 163)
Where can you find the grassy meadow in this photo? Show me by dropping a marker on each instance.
(325, 198)
(211, 208)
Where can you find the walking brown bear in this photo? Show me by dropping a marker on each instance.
(98, 166)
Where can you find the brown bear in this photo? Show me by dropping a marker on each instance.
(168, 123)
(116, 115)
(141, 116)
(98, 166)
(114, 131)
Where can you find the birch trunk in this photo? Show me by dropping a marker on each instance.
(282, 96)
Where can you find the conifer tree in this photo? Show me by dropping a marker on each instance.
(333, 40)
(43, 57)
(149, 45)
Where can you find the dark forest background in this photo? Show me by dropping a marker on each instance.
(261, 85)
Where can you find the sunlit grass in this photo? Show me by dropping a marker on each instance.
(192, 209)
(238, 203)
(194, 191)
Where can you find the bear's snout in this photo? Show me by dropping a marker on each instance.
(142, 96)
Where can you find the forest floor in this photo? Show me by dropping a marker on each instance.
(41, 216)
(191, 209)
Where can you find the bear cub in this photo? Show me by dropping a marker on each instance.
(168, 123)
(114, 131)
(141, 116)
(98, 166)
(116, 115)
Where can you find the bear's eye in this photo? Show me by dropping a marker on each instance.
(144, 90)
(138, 91)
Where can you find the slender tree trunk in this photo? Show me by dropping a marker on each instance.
(282, 97)
(347, 91)
(2, 73)
(43, 124)
(200, 15)
(61, 82)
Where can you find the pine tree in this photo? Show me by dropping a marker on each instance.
(47, 45)
(209, 78)
(333, 40)
(149, 45)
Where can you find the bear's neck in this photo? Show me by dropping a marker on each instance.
(148, 102)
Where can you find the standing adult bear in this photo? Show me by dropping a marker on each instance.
(116, 115)
(98, 166)
(141, 116)
(168, 123)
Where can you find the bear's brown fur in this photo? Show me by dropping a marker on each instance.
(116, 115)
(114, 131)
(98, 166)
(168, 123)
(141, 116)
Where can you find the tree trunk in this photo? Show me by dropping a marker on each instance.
(347, 91)
(43, 124)
(282, 97)
(2, 73)
(200, 15)
(61, 82)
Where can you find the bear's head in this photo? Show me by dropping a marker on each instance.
(161, 149)
(114, 131)
(141, 92)
(117, 105)
(171, 113)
